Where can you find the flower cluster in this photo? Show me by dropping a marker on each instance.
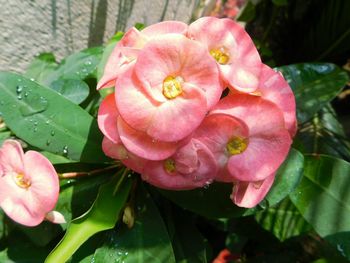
(169, 121)
(29, 186)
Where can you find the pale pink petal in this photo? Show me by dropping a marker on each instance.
(177, 56)
(55, 217)
(165, 27)
(201, 174)
(142, 145)
(244, 65)
(273, 87)
(107, 118)
(11, 156)
(249, 194)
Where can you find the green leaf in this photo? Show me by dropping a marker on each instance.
(102, 215)
(48, 121)
(283, 220)
(212, 202)
(79, 65)
(146, 241)
(188, 243)
(287, 178)
(323, 135)
(107, 52)
(323, 199)
(314, 85)
(41, 67)
(280, 2)
(73, 89)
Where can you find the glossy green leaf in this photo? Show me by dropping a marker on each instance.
(73, 89)
(146, 241)
(79, 65)
(283, 220)
(323, 199)
(323, 134)
(107, 52)
(287, 178)
(48, 121)
(102, 215)
(42, 66)
(212, 202)
(314, 85)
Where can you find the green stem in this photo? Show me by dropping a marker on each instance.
(334, 45)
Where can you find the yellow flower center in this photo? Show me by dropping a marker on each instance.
(21, 181)
(236, 145)
(169, 166)
(172, 87)
(220, 55)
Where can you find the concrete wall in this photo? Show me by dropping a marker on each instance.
(29, 27)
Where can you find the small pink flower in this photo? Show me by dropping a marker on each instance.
(29, 185)
(232, 48)
(127, 49)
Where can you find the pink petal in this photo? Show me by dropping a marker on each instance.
(198, 175)
(274, 88)
(175, 55)
(11, 156)
(119, 152)
(55, 217)
(244, 66)
(176, 119)
(107, 118)
(249, 194)
(125, 51)
(165, 27)
(142, 145)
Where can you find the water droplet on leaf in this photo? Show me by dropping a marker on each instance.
(34, 104)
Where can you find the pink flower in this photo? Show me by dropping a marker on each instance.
(247, 136)
(173, 84)
(29, 185)
(127, 49)
(232, 48)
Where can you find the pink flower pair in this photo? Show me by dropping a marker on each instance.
(29, 186)
(166, 119)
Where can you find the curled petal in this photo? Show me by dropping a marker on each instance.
(188, 174)
(55, 217)
(249, 194)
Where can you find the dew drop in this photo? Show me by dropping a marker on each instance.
(19, 96)
(88, 63)
(52, 133)
(48, 142)
(19, 89)
(65, 150)
(35, 129)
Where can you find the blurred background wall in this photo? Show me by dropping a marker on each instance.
(30, 27)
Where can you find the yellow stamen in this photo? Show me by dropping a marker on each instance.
(172, 87)
(169, 166)
(220, 55)
(236, 145)
(21, 181)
